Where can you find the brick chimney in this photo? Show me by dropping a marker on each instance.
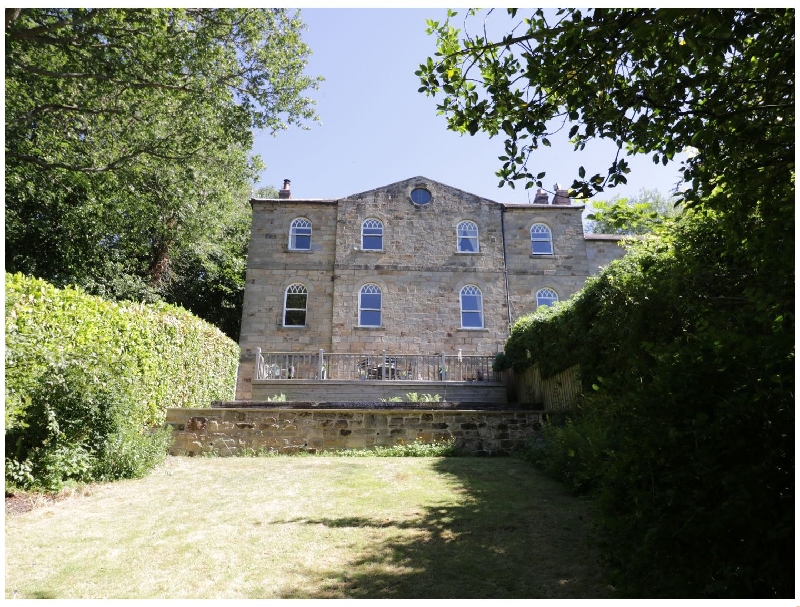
(562, 195)
(541, 197)
(286, 192)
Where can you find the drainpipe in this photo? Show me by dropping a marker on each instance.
(505, 265)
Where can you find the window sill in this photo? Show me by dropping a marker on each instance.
(469, 252)
(484, 329)
(368, 328)
(293, 327)
(533, 255)
(360, 250)
(288, 250)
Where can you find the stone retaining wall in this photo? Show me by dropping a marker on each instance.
(290, 430)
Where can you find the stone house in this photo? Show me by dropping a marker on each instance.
(415, 267)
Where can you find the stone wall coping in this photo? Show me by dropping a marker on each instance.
(411, 383)
(291, 200)
(511, 206)
(367, 406)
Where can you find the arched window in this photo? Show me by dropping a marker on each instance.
(471, 308)
(546, 297)
(294, 306)
(541, 240)
(467, 237)
(369, 306)
(300, 235)
(372, 235)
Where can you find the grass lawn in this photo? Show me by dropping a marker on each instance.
(311, 527)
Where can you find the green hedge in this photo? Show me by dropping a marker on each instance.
(636, 300)
(88, 381)
(685, 435)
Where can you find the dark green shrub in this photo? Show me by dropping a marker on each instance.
(87, 380)
(574, 449)
(501, 363)
(685, 434)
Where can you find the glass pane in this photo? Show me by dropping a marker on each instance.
(471, 303)
(420, 196)
(296, 300)
(302, 242)
(295, 318)
(372, 242)
(471, 319)
(371, 300)
(467, 245)
(542, 247)
(370, 318)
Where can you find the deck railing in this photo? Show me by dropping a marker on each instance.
(383, 366)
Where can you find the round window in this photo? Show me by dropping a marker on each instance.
(420, 196)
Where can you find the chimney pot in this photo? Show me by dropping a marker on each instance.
(286, 192)
(562, 195)
(541, 197)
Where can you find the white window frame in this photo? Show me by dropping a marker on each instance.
(298, 228)
(371, 224)
(541, 233)
(545, 295)
(295, 289)
(471, 290)
(468, 227)
(370, 289)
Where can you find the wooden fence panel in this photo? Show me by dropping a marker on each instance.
(556, 393)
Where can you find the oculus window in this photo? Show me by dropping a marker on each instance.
(420, 196)
(471, 308)
(369, 306)
(541, 240)
(372, 235)
(467, 237)
(300, 235)
(294, 306)
(546, 297)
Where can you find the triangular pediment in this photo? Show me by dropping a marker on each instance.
(407, 185)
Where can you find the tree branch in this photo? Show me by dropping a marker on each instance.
(86, 75)
(61, 23)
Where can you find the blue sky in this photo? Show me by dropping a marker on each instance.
(377, 129)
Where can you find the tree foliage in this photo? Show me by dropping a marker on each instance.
(128, 134)
(687, 344)
(120, 85)
(653, 81)
(209, 280)
(638, 214)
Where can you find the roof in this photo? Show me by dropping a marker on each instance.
(418, 181)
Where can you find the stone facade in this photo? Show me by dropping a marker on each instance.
(229, 431)
(419, 271)
(601, 250)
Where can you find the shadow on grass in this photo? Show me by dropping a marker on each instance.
(42, 594)
(514, 534)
